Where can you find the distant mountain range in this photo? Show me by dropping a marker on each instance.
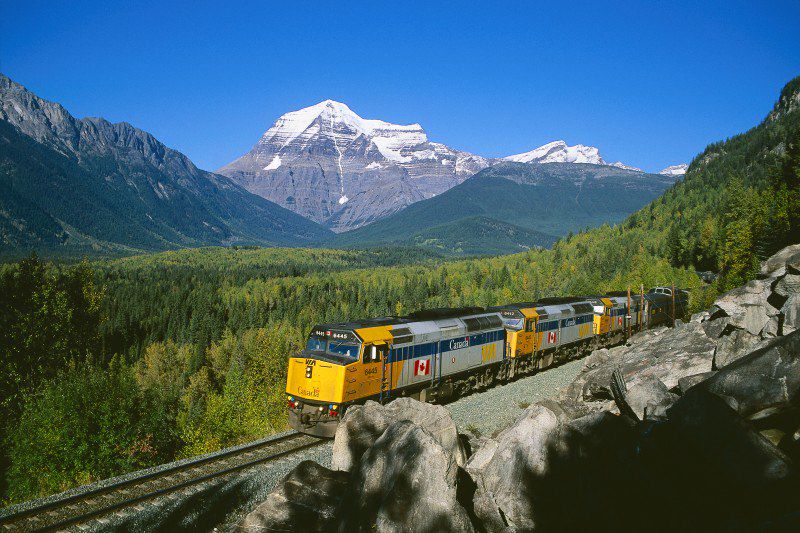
(92, 186)
(330, 165)
(538, 202)
(77, 186)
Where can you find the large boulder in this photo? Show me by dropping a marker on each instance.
(764, 381)
(748, 306)
(406, 481)
(363, 425)
(548, 472)
(307, 499)
(649, 394)
(777, 264)
(791, 314)
(735, 345)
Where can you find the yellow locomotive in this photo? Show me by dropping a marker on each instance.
(436, 354)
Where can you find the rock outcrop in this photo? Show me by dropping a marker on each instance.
(406, 481)
(307, 499)
(363, 425)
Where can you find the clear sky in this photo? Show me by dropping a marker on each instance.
(648, 83)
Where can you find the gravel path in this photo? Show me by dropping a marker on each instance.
(227, 503)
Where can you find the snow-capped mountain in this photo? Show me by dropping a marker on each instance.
(620, 164)
(675, 170)
(328, 164)
(559, 152)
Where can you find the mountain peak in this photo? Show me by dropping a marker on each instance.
(559, 152)
(675, 170)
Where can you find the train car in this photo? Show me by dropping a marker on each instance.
(435, 354)
(663, 307)
(427, 355)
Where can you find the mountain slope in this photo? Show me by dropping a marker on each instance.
(88, 184)
(739, 201)
(330, 165)
(551, 199)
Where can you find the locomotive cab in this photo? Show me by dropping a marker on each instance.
(340, 363)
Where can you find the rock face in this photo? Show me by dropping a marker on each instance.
(328, 164)
(404, 475)
(663, 354)
(363, 425)
(307, 499)
(406, 481)
(764, 382)
(547, 472)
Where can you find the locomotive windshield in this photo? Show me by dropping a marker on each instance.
(315, 345)
(333, 347)
(345, 349)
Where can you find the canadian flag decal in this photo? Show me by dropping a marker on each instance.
(552, 337)
(422, 367)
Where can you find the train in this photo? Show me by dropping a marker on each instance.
(438, 354)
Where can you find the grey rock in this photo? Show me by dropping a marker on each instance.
(667, 355)
(791, 314)
(747, 306)
(307, 499)
(546, 472)
(776, 265)
(649, 393)
(405, 482)
(721, 464)
(686, 383)
(788, 285)
(793, 263)
(767, 379)
(772, 329)
(735, 345)
(501, 467)
(363, 425)
(714, 328)
(700, 316)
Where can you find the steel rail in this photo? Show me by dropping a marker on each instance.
(12, 520)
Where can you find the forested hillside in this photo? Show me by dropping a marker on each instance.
(118, 365)
(510, 206)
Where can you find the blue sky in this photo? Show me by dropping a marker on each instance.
(648, 83)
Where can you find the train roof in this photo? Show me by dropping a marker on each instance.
(424, 315)
(444, 312)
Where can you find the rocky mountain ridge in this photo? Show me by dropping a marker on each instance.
(698, 424)
(89, 184)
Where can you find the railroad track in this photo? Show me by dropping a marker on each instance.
(98, 504)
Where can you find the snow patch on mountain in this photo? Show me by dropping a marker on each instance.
(620, 164)
(275, 163)
(675, 170)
